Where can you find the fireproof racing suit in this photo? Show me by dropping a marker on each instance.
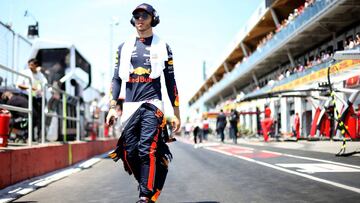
(142, 146)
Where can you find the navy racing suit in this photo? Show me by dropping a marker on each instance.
(142, 146)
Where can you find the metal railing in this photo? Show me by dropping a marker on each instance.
(29, 110)
(7, 46)
(64, 115)
(14, 51)
(45, 114)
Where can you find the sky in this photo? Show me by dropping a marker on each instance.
(196, 30)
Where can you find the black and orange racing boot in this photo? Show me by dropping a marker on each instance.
(145, 200)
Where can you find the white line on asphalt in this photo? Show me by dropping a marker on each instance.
(15, 190)
(293, 156)
(346, 187)
(242, 147)
(89, 163)
(321, 160)
(26, 191)
(209, 144)
(313, 159)
(270, 152)
(5, 200)
(36, 181)
(57, 176)
(319, 168)
(226, 146)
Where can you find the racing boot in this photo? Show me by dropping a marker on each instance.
(144, 200)
(155, 196)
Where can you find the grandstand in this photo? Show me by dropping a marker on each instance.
(286, 45)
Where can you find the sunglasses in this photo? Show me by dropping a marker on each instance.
(142, 15)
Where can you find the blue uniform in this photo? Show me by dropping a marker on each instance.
(142, 146)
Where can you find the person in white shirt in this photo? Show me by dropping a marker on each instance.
(38, 82)
(351, 43)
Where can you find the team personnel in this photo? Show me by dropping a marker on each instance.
(234, 120)
(221, 124)
(38, 82)
(141, 62)
(296, 128)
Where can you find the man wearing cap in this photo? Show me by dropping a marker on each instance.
(141, 61)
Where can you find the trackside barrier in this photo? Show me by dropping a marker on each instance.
(29, 110)
(22, 163)
(64, 115)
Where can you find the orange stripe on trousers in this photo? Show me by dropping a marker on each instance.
(152, 169)
(127, 163)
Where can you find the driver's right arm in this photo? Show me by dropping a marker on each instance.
(115, 88)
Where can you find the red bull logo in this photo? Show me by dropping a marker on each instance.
(140, 79)
(159, 114)
(141, 71)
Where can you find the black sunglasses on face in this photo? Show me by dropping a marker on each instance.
(143, 15)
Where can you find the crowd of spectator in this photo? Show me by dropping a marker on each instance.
(265, 39)
(323, 57)
(292, 16)
(309, 62)
(285, 72)
(300, 67)
(351, 43)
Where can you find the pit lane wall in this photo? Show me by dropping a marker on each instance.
(21, 163)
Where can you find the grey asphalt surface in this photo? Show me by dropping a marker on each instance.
(204, 176)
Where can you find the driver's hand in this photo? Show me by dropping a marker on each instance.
(111, 117)
(175, 124)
